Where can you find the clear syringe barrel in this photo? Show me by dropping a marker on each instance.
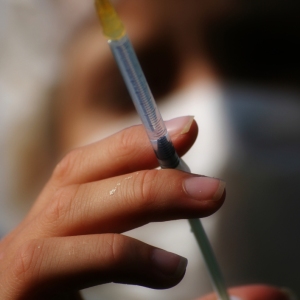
(144, 102)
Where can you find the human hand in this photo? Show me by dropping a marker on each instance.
(256, 292)
(71, 238)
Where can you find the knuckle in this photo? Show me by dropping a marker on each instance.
(60, 206)
(126, 140)
(147, 187)
(124, 144)
(27, 264)
(66, 166)
(116, 248)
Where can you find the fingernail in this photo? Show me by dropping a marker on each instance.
(289, 294)
(179, 125)
(169, 264)
(204, 188)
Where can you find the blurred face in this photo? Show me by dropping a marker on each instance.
(178, 43)
(167, 39)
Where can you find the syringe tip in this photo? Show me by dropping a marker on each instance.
(110, 21)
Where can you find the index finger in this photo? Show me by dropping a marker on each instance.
(124, 152)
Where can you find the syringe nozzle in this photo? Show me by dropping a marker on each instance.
(111, 23)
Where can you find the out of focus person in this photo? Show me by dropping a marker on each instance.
(234, 67)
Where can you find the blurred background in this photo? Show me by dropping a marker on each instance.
(32, 36)
(234, 65)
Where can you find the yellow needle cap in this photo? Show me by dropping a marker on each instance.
(110, 21)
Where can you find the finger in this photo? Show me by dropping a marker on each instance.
(122, 153)
(255, 292)
(74, 263)
(129, 201)
(126, 151)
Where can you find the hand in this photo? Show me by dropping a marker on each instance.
(71, 238)
(256, 292)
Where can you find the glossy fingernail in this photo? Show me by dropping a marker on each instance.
(289, 294)
(179, 125)
(204, 188)
(169, 264)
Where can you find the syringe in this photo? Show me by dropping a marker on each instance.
(147, 109)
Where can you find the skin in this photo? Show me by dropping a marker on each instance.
(254, 292)
(71, 239)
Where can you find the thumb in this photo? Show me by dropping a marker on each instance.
(256, 292)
